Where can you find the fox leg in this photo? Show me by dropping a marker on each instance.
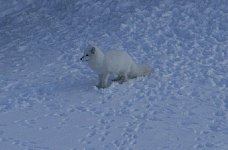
(99, 80)
(123, 78)
(103, 80)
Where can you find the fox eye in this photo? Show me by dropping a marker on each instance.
(87, 55)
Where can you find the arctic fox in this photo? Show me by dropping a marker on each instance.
(113, 62)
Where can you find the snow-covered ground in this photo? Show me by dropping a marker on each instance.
(48, 98)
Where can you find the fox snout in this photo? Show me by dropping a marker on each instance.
(84, 58)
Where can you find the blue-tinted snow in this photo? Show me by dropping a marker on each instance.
(48, 98)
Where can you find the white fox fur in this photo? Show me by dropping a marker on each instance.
(113, 62)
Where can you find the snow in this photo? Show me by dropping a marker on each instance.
(48, 98)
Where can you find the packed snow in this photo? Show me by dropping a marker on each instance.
(49, 99)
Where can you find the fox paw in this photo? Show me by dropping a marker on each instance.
(101, 86)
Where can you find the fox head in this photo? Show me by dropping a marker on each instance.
(89, 54)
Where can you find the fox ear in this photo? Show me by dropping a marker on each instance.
(93, 50)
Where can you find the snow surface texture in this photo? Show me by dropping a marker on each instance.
(48, 98)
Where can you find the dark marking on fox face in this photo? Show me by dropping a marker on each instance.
(93, 50)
